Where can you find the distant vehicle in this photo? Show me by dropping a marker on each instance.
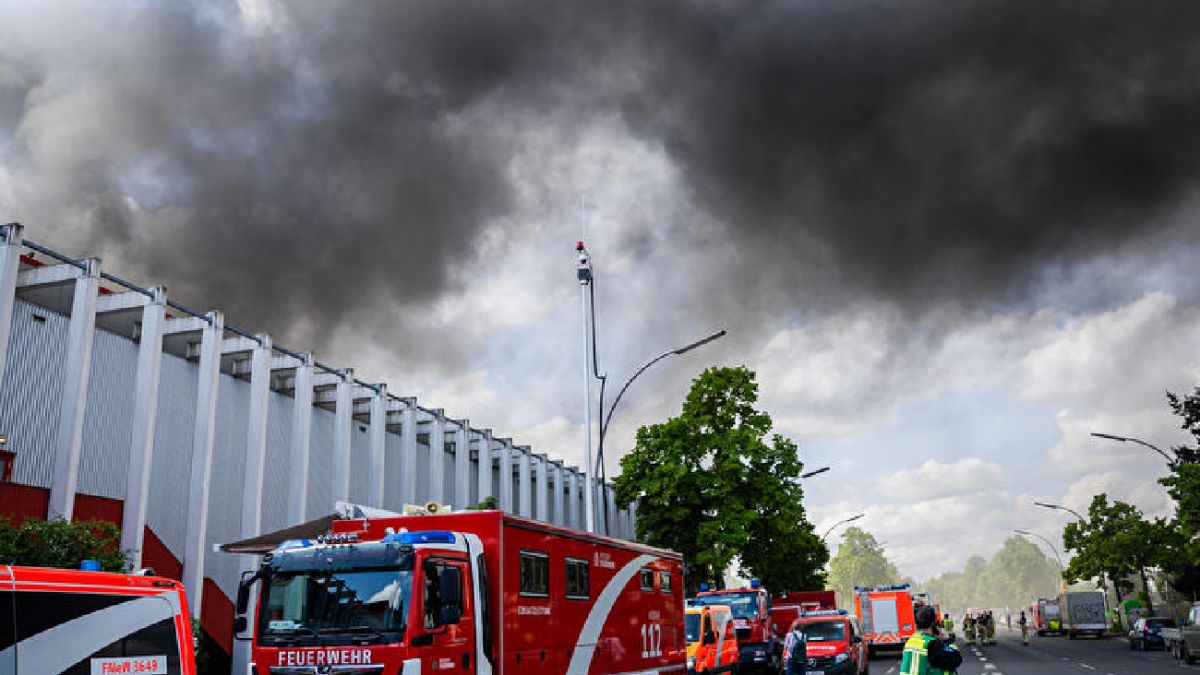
(886, 616)
(759, 647)
(711, 640)
(1147, 632)
(1083, 614)
(1183, 642)
(1046, 617)
(74, 621)
(834, 643)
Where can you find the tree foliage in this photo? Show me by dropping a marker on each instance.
(860, 561)
(489, 503)
(1015, 576)
(711, 485)
(1115, 540)
(62, 543)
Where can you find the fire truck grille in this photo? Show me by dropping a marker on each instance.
(820, 662)
(743, 634)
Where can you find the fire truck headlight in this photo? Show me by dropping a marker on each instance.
(841, 658)
(691, 663)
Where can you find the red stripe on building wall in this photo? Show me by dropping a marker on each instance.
(19, 502)
(90, 507)
(216, 616)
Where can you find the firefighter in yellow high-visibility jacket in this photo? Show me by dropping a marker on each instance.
(926, 653)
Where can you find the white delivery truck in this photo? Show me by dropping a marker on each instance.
(1083, 614)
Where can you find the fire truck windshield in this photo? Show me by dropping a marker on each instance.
(323, 606)
(741, 605)
(825, 631)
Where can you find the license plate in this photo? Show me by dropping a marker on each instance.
(815, 672)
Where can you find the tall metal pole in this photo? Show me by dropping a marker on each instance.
(584, 275)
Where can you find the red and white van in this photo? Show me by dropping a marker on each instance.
(71, 622)
(477, 592)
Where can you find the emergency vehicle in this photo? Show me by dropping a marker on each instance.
(787, 608)
(886, 615)
(834, 643)
(477, 592)
(711, 640)
(759, 648)
(1046, 616)
(83, 622)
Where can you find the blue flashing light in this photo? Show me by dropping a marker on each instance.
(755, 584)
(423, 537)
(703, 587)
(825, 612)
(293, 543)
(89, 565)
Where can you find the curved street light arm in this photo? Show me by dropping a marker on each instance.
(1129, 439)
(1059, 507)
(1052, 547)
(833, 527)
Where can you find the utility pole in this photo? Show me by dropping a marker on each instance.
(584, 275)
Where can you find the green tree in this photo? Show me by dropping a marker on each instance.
(1183, 485)
(710, 485)
(1117, 541)
(860, 562)
(62, 543)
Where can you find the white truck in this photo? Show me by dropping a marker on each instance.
(1083, 614)
(1183, 642)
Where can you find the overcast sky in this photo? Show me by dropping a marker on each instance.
(952, 238)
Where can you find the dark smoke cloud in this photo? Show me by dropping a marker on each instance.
(332, 164)
(929, 149)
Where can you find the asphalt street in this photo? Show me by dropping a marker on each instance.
(1053, 656)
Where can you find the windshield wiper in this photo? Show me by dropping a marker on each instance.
(292, 634)
(356, 629)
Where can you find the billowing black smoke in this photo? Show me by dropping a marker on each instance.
(303, 163)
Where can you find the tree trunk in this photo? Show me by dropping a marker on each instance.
(1146, 591)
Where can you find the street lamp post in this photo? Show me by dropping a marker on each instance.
(600, 468)
(1062, 582)
(1129, 439)
(1103, 576)
(839, 523)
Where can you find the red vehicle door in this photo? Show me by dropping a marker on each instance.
(447, 617)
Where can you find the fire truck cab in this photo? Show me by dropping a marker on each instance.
(759, 648)
(478, 592)
(73, 622)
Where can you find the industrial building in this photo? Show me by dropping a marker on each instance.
(121, 403)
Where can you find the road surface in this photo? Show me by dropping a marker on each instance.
(1054, 656)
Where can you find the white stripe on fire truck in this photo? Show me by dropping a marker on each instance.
(56, 649)
(585, 646)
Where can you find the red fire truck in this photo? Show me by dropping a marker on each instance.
(787, 608)
(886, 616)
(474, 592)
(759, 648)
(81, 622)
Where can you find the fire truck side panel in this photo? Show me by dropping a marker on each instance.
(607, 625)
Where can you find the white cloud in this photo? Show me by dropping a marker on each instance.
(932, 479)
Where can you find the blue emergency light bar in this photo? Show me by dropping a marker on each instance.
(755, 584)
(423, 537)
(825, 612)
(293, 543)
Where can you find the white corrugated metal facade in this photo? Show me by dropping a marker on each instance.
(35, 358)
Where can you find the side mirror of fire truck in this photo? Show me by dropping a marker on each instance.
(243, 602)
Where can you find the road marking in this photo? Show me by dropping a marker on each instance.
(1084, 665)
(892, 669)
